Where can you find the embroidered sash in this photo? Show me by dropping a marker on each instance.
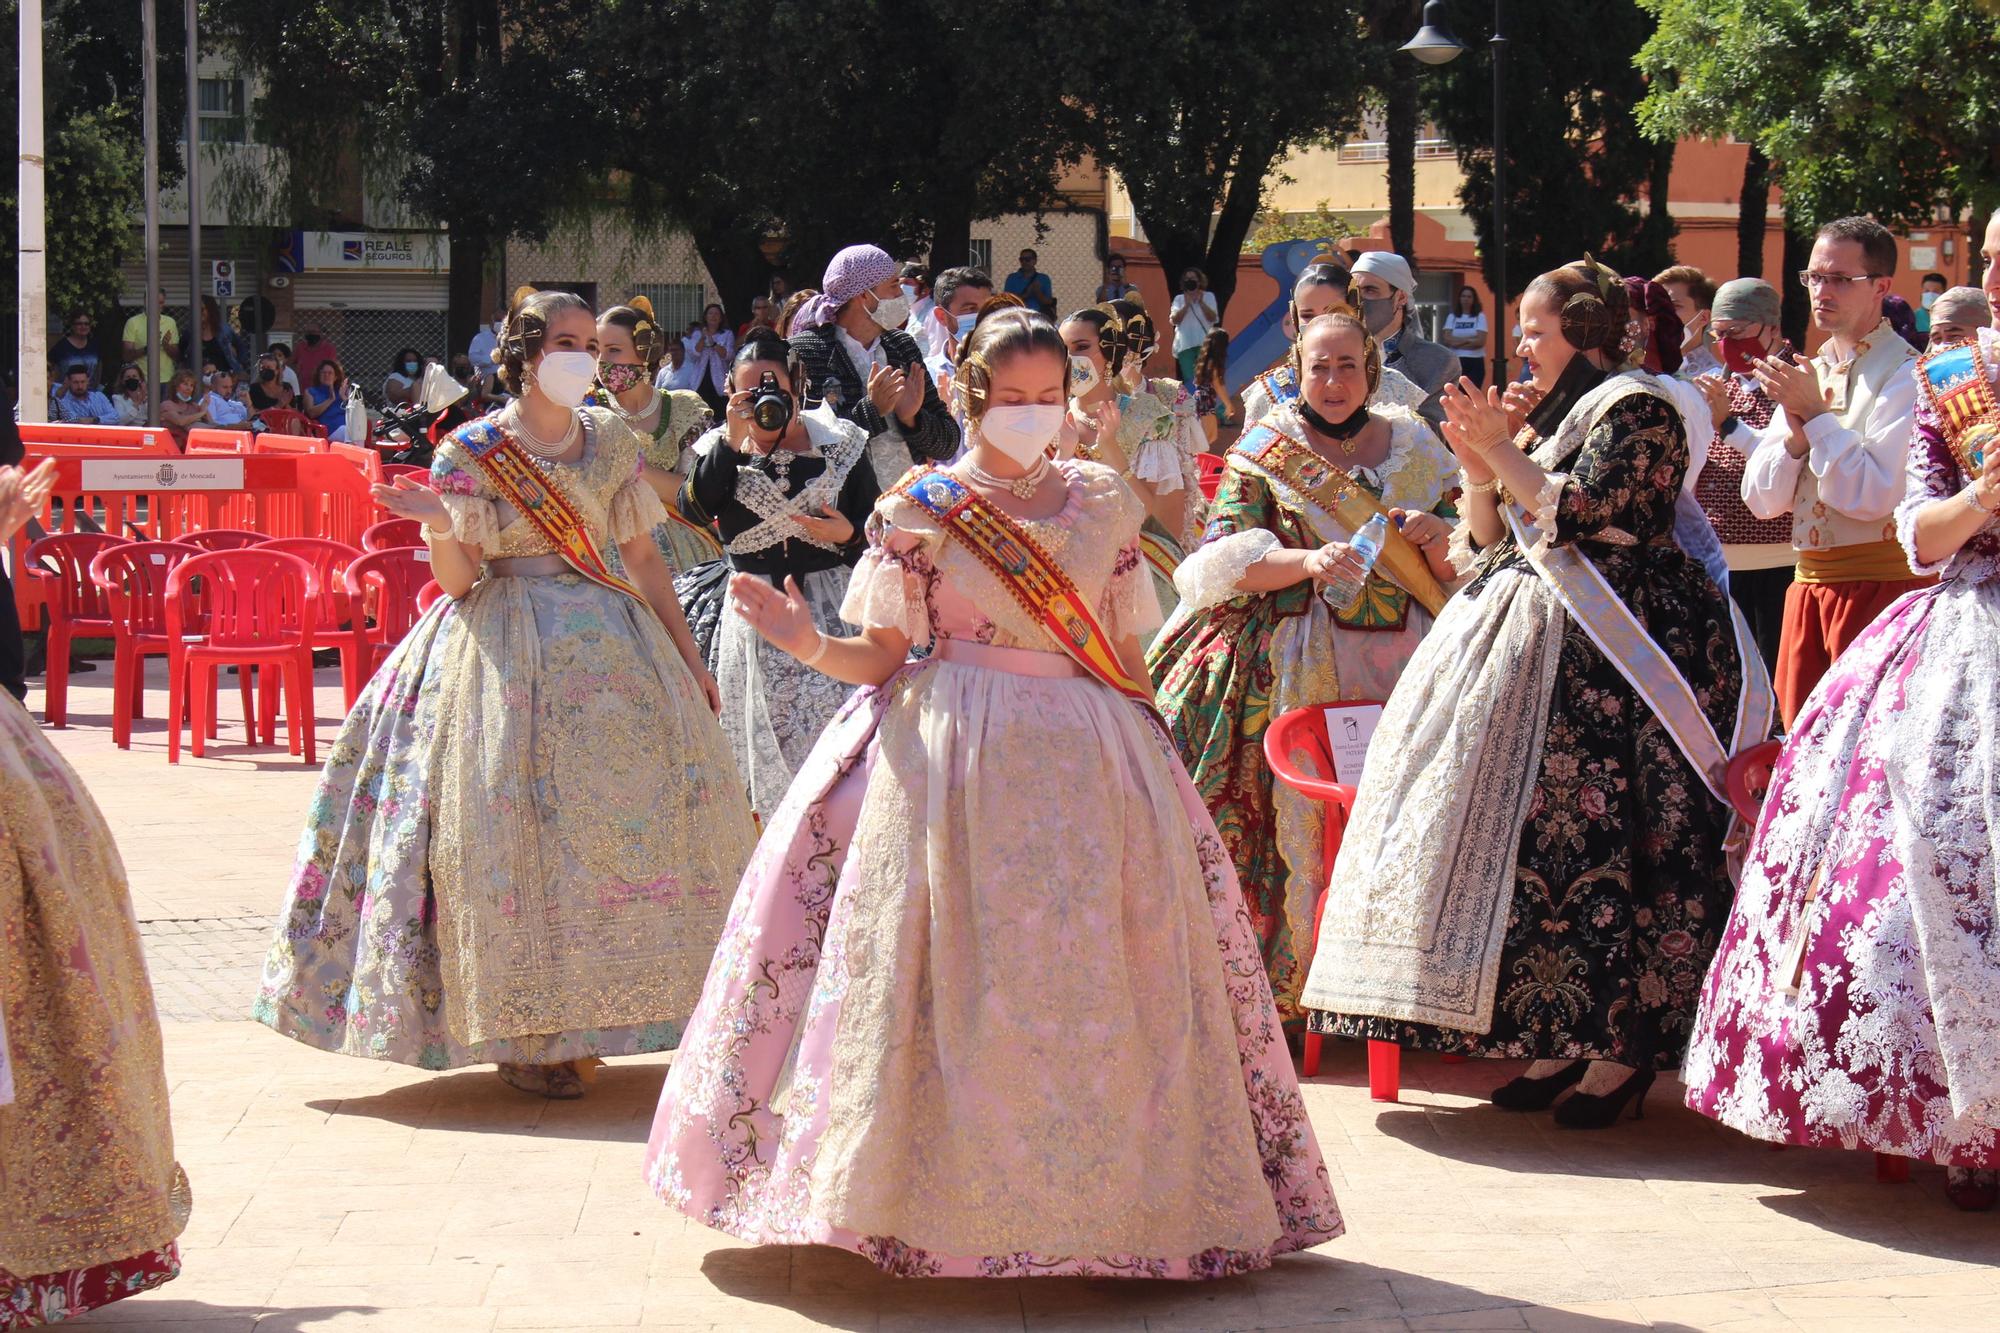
(1034, 581)
(521, 484)
(1160, 553)
(1596, 606)
(1267, 450)
(1956, 381)
(1281, 384)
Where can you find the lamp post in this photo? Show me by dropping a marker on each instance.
(1435, 44)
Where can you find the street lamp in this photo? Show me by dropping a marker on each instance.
(1435, 44)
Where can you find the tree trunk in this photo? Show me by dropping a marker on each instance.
(1235, 219)
(951, 232)
(1402, 133)
(466, 288)
(1797, 306)
(1656, 237)
(1752, 211)
(735, 259)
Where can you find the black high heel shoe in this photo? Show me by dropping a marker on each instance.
(1591, 1111)
(1537, 1094)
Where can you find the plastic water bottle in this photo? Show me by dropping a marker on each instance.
(1367, 544)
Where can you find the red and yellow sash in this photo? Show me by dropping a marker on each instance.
(1161, 554)
(521, 484)
(1036, 582)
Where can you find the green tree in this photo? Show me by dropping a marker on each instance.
(1886, 108)
(1575, 158)
(91, 80)
(1195, 106)
(898, 125)
(477, 114)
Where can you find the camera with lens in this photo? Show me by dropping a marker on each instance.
(770, 406)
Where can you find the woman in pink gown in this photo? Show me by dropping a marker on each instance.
(988, 1002)
(1855, 1001)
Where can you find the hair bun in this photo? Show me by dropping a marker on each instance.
(643, 306)
(521, 293)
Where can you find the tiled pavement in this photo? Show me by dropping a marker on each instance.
(334, 1193)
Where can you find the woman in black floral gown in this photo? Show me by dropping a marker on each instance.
(1535, 865)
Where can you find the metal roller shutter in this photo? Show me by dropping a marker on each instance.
(365, 290)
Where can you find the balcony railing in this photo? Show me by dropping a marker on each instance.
(1378, 151)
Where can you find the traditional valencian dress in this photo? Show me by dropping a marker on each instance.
(523, 843)
(90, 1196)
(774, 706)
(683, 419)
(960, 1021)
(1159, 430)
(1279, 387)
(1228, 662)
(1855, 1001)
(1535, 863)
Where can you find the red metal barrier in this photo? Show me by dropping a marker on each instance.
(135, 494)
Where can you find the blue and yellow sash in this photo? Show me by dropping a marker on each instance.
(521, 484)
(1281, 383)
(1956, 382)
(1036, 582)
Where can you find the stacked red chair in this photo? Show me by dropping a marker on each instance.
(242, 608)
(389, 582)
(134, 580)
(76, 605)
(393, 533)
(222, 539)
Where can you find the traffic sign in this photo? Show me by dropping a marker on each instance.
(222, 278)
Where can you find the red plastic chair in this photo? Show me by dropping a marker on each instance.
(393, 534)
(291, 421)
(134, 580)
(222, 539)
(1296, 748)
(243, 608)
(395, 577)
(428, 596)
(1749, 777)
(75, 605)
(334, 609)
(1212, 467)
(391, 471)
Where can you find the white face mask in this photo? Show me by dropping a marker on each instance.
(1083, 376)
(891, 311)
(1022, 432)
(1930, 299)
(565, 377)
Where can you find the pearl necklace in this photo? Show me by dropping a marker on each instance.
(650, 409)
(1022, 486)
(539, 447)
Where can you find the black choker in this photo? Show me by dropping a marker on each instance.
(1344, 430)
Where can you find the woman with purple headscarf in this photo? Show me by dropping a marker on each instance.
(858, 359)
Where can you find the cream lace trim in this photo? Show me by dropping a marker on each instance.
(886, 592)
(1210, 574)
(635, 511)
(474, 521)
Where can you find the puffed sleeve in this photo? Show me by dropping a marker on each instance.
(1164, 458)
(1131, 604)
(891, 585)
(1934, 474)
(1238, 535)
(467, 496)
(635, 507)
(1633, 458)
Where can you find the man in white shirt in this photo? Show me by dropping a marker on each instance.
(1833, 457)
(223, 407)
(956, 299)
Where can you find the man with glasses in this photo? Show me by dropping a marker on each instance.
(1833, 456)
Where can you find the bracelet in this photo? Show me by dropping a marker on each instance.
(819, 651)
(1483, 487)
(1971, 497)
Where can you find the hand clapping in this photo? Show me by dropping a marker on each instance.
(1475, 419)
